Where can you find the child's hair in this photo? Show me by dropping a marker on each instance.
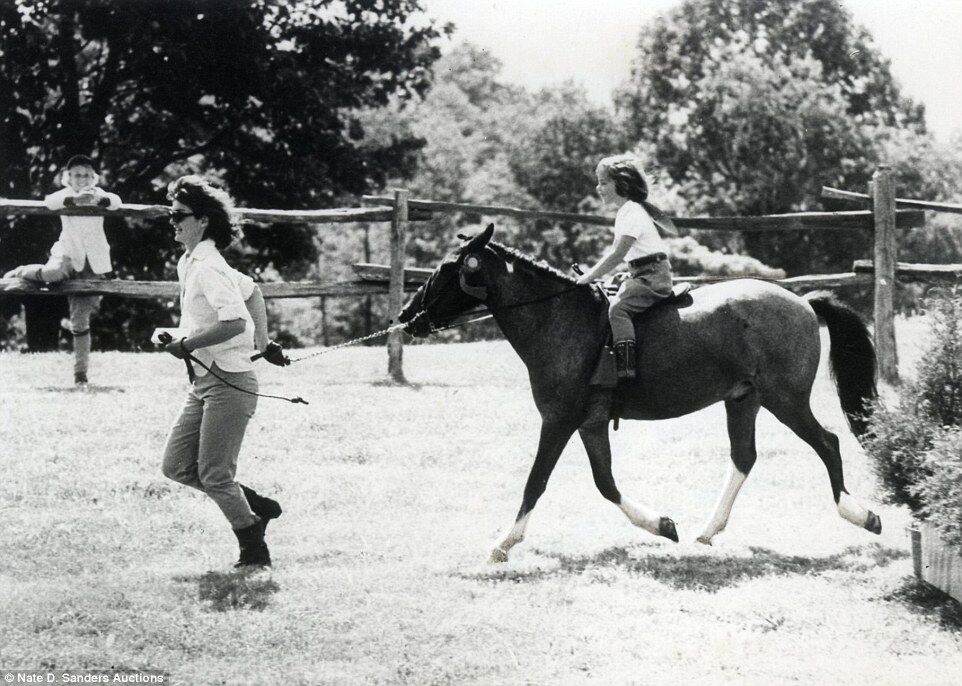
(207, 200)
(626, 172)
(78, 161)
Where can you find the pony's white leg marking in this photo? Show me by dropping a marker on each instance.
(723, 508)
(514, 536)
(640, 516)
(852, 510)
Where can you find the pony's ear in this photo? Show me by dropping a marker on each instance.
(479, 241)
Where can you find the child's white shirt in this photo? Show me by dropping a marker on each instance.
(633, 220)
(82, 239)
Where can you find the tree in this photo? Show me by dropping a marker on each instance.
(927, 169)
(492, 143)
(752, 105)
(555, 164)
(263, 93)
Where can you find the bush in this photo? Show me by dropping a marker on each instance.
(939, 383)
(899, 440)
(940, 485)
(917, 446)
(689, 258)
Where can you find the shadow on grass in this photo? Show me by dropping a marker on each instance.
(89, 389)
(923, 599)
(709, 573)
(418, 385)
(239, 590)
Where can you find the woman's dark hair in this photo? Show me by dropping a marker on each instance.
(626, 172)
(207, 200)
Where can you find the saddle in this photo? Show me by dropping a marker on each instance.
(605, 375)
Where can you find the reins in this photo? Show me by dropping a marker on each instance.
(492, 310)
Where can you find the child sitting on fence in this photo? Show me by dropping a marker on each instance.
(82, 252)
(638, 231)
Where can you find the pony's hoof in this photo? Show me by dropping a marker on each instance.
(873, 523)
(666, 528)
(704, 540)
(498, 556)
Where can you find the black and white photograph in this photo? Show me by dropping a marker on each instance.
(520, 342)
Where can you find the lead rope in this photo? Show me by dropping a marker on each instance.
(354, 341)
(385, 332)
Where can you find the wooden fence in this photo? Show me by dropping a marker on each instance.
(884, 219)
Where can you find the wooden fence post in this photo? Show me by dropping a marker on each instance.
(883, 195)
(399, 222)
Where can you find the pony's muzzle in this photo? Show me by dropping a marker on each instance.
(415, 320)
(419, 327)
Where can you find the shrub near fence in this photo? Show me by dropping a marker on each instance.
(917, 448)
(918, 442)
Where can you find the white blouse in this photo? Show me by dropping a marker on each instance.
(212, 291)
(633, 220)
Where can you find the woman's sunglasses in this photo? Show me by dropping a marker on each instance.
(178, 216)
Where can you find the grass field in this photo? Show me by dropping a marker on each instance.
(393, 497)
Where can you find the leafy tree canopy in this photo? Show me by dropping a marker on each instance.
(750, 106)
(676, 50)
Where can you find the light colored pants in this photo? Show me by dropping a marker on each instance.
(81, 308)
(647, 285)
(204, 443)
(59, 268)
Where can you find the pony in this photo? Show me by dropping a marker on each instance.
(745, 342)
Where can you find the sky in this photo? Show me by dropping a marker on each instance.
(544, 42)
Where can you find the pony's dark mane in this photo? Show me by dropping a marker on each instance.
(539, 267)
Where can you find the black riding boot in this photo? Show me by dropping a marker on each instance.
(625, 360)
(265, 508)
(253, 550)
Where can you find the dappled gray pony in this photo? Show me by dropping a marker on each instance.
(748, 343)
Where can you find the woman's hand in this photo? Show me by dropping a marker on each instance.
(178, 348)
(274, 354)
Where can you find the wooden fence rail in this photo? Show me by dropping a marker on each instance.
(866, 199)
(921, 273)
(338, 215)
(170, 289)
(800, 221)
(413, 277)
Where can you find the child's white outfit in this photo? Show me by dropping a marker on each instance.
(647, 259)
(82, 252)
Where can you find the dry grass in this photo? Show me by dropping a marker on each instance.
(393, 496)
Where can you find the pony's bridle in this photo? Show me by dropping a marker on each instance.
(471, 265)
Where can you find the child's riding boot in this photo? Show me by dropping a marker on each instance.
(253, 550)
(625, 360)
(265, 508)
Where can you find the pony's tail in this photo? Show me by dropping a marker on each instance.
(853, 358)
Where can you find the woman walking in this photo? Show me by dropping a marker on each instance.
(222, 314)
